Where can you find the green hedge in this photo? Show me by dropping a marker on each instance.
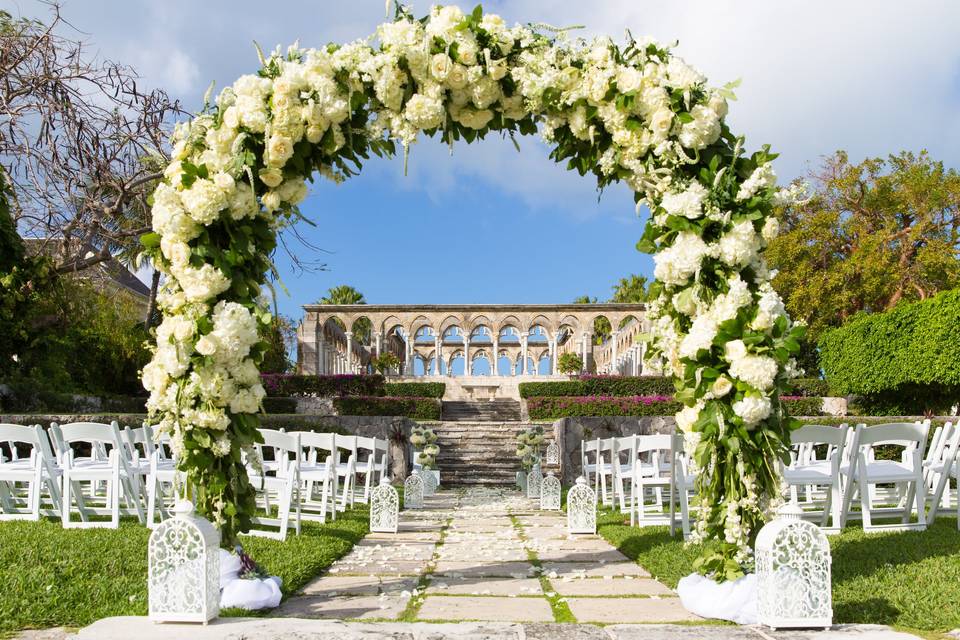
(903, 361)
(416, 408)
(803, 406)
(415, 389)
(279, 405)
(554, 408)
(289, 384)
(29, 397)
(600, 386)
(810, 387)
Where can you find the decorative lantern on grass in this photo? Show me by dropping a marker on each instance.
(581, 508)
(534, 478)
(553, 454)
(183, 557)
(793, 573)
(413, 491)
(384, 508)
(550, 493)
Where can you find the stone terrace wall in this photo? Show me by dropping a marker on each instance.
(570, 432)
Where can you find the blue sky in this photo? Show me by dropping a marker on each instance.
(489, 225)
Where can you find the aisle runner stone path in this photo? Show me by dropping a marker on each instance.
(486, 555)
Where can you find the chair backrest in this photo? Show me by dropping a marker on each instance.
(18, 434)
(141, 437)
(820, 434)
(90, 432)
(368, 445)
(348, 444)
(896, 433)
(314, 440)
(626, 445)
(280, 441)
(654, 442)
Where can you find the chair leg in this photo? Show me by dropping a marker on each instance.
(865, 504)
(65, 509)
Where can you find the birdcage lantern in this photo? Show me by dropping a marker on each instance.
(384, 508)
(581, 508)
(431, 481)
(534, 479)
(550, 493)
(553, 454)
(793, 573)
(413, 491)
(183, 558)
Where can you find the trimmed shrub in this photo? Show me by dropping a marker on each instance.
(415, 389)
(289, 384)
(810, 387)
(279, 405)
(802, 406)
(416, 408)
(600, 386)
(556, 407)
(903, 361)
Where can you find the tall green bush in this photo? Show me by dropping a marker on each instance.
(600, 386)
(903, 361)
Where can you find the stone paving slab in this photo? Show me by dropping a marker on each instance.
(592, 556)
(119, 628)
(609, 610)
(380, 568)
(484, 569)
(343, 608)
(485, 586)
(613, 587)
(496, 609)
(591, 570)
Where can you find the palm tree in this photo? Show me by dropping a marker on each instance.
(345, 294)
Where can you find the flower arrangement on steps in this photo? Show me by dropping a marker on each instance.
(632, 113)
(425, 451)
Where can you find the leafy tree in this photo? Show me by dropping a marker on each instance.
(280, 337)
(633, 288)
(345, 294)
(570, 362)
(385, 362)
(872, 235)
(601, 326)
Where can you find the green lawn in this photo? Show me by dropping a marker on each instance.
(52, 576)
(909, 580)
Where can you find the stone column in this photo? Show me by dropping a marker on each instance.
(496, 356)
(409, 355)
(349, 335)
(321, 353)
(614, 337)
(437, 346)
(378, 343)
(553, 356)
(523, 352)
(466, 357)
(584, 340)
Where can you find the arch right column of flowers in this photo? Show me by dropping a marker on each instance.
(634, 114)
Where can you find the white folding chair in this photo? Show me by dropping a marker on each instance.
(122, 482)
(809, 472)
(281, 478)
(318, 467)
(941, 469)
(37, 471)
(861, 473)
(656, 448)
(683, 482)
(346, 470)
(161, 477)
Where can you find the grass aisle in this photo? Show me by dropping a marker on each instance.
(909, 580)
(52, 576)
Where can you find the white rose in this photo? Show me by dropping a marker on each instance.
(271, 201)
(661, 123)
(279, 150)
(271, 177)
(721, 387)
(457, 77)
(734, 350)
(225, 181)
(440, 66)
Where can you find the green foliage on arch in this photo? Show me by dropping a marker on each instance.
(630, 113)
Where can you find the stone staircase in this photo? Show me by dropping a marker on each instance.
(478, 453)
(499, 410)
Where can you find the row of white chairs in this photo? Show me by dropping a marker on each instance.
(651, 478)
(97, 469)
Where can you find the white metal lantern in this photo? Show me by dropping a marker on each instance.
(581, 508)
(413, 491)
(550, 493)
(183, 557)
(793, 573)
(534, 478)
(384, 508)
(553, 454)
(431, 480)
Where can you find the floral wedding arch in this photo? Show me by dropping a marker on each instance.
(633, 113)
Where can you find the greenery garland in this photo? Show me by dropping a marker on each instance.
(633, 113)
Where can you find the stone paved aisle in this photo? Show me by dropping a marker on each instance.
(486, 555)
